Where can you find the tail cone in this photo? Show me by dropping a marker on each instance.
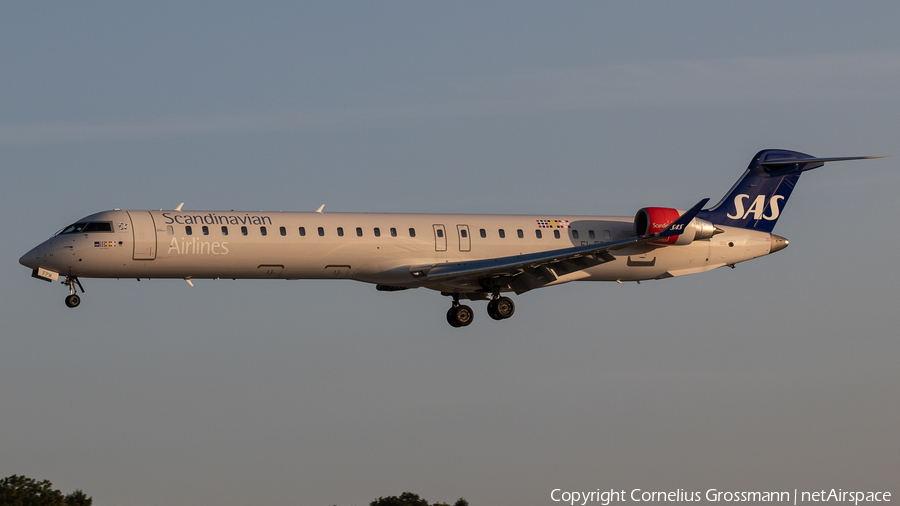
(778, 243)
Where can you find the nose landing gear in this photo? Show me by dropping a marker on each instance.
(73, 300)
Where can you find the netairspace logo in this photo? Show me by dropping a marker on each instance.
(607, 497)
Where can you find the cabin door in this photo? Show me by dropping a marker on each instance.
(144, 230)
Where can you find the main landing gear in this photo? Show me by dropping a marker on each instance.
(459, 315)
(73, 300)
(499, 308)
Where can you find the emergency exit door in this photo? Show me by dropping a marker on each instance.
(465, 242)
(440, 238)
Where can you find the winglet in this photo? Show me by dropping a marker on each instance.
(677, 227)
(179, 206)
(319, 210)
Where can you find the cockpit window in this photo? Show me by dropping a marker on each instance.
(84, 227)
(73, 228)
(101, 226)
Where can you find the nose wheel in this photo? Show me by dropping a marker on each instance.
(73, 300)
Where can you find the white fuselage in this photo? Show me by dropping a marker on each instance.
(464, 256)
(369, 247)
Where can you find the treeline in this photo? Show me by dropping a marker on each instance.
(21, 491)
(410, 499)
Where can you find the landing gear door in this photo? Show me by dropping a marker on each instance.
(144, 230)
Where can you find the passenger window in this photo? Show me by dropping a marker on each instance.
(282, 230)
(169, 230)
(205, 230)
(537, 233)
(358, 232)
(243, 230)
(412, 232)
(188, 230)
(591, 234)
(463, 233)
(483, 233)
(377, 232)
(502, 233)
(224, 230)
(574, 234)
(321, 232)
(340, 231)
(302, 231)
(556, 234)
(263, 231)
(440, 232)
(393, 232)
(520, 233)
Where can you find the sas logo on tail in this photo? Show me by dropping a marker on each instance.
(758, 208)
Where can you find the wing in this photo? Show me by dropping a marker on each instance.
(533, 270)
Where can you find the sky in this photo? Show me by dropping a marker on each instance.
(780, 374)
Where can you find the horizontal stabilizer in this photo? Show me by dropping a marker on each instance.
(792, 161)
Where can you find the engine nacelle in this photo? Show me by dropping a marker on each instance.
(652, 220)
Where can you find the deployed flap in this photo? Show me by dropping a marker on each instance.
(544, 267)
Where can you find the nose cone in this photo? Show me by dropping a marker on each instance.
(778, 243)
(30, 259)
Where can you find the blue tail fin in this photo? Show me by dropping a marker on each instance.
(758, 198)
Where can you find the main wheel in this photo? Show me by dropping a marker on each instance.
(460, 316)
(504, 307)
(492, 310)
(73, 300)
(451, 317)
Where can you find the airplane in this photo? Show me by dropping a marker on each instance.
(464, 256)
